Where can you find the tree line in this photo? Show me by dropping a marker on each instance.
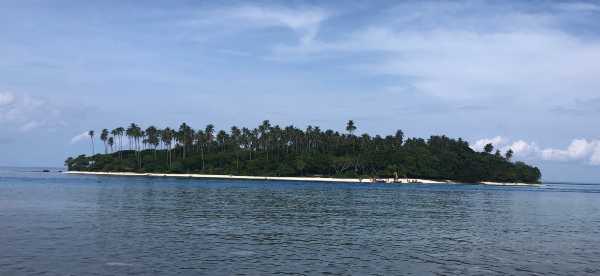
(271, 150)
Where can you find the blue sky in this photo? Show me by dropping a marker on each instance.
(520, 75)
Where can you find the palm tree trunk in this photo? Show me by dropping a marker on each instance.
(202, 155)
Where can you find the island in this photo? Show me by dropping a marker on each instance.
(290, 153)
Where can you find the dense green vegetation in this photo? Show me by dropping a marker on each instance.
(274, 151)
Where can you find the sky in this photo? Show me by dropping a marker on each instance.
(522, 75)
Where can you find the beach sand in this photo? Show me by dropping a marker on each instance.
(284, 178)
(278, 178)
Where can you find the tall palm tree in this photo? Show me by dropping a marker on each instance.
(167, 139)
(185, 135)
(153, 139)
(120, 131)
(350, 127)
(247, 141)
(111, 142)
(509, 154)
(114, 133)
(91, 134)
(399, 137)
(104, 138)
(209, 131)
(236, 136)
(130, 133)
(264, 130)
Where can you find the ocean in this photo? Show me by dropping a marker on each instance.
(57, 224)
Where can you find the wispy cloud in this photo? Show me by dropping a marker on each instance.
(29, 126)
(579, 7)
(472, 54)
(6, 99)
(79, 137)
(25, 113)
(305, 21)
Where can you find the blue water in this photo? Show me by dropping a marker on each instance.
(56, 224)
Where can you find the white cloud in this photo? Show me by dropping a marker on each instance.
(29, 126)
(522, 148)
(578, 7)
(581, 150)
(495, 141)
(470, 56)
(79, 137)
(6, 98)
(25, 113)
(305, 21)
(595, 158)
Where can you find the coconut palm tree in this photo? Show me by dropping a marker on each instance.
(130, 133)
(236, 136)
(111, 142)
(488, 148)
(185, 136)
(201, 140)
(350, 127)
(509, 154)
(91, 134)
(120, 131)
(209, 131)
(153, 139)
(247, 141)
(104, 138)
(167, 139)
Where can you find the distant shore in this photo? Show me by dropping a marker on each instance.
(291, 178)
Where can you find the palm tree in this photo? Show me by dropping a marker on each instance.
(209, 132)
(236, 135)
(399, 137)
(111, 142)
(488, 148)
(350, 127)
(120, 131)
(130, 133)
(153, 140)
(264, 130)
(104, 137)
(185, 136)
(91, 134)
(167, 139)
(134, 133)
(201, 141)
(247, 140)
(509, 154)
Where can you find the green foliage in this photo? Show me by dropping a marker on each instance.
(274, 151)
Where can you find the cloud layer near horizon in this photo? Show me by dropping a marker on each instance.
(579, 150)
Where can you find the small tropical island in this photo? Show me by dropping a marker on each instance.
(274, 151)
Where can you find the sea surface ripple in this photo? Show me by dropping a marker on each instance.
(56, 224)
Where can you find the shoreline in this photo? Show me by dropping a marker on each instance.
(292, 178)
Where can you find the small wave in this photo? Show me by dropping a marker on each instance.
(118, 264)
(243, 253)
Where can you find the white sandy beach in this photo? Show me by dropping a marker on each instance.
(281, 178)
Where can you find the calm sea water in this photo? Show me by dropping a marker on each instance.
(55, 224)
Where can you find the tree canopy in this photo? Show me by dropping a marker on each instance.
(271, 150)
